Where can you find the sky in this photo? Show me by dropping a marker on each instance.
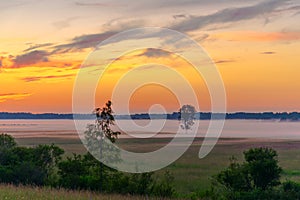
(253, 44)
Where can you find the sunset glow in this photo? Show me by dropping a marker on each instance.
(254, 44)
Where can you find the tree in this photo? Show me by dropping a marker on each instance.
(104, 121)
(235, 177)
(72, 172)
(23, 165)
(257, 176)
(47, 157)
(7, 141)
(263, 167)
(95, 135)
(186, 116)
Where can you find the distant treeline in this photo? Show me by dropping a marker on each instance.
(6, 115)
(283, 116)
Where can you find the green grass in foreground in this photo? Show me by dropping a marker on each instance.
(191, 173)
(10, 192)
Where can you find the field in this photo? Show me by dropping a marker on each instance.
(9, 192)
(191, 173)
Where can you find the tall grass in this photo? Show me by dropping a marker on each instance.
(11, 192)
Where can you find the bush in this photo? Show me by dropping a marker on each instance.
(43, 165)
(254, 179)
(21, 165)
(7, 141)
(290, 190)
(164, 187)
(83, 172)
(263, 168)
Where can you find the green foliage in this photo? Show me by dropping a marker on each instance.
(257, 178)
(164, 187)
(84, 172)
(7, 141)
(34, 166)
(235, 177)
(290, 190)
(260, 171)
(263, 167)
(71, 173)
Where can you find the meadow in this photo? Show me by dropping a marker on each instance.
(191, 173)
(10, 192)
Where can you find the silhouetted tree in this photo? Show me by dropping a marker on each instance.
(96, 133)
(104, 121)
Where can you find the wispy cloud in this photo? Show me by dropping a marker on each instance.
(92, 40)
(11, 4)
(82, 42)
(228, 15)
(93, 4)
(180, 16)
(13, 96)
(30, 58)
(36, 46)
(39, 78)
(257, 36)
(223, 61)
(268, 52)
(62, 24)
(289, 9)
(186, 23)
(154, 53)
(183, 22)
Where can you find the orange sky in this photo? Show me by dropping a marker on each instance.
(255, 47)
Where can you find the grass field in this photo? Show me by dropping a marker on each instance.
(9, 192)
(191, 173)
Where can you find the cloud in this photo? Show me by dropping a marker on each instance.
(154, 53)
(223, 61)
(4, 5)
(148, 52)
(202, 37)
(145, 6)
(36, 46)
(92, 40)
(30, 58)
(250, 36)
(290, 9)
(38, 78)
(64, 23)
(13, 96)
(268, 52)
(1, 63)
(180, 16)
(77, 3)
(82, 42)
(228, 15)
(185, 23)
